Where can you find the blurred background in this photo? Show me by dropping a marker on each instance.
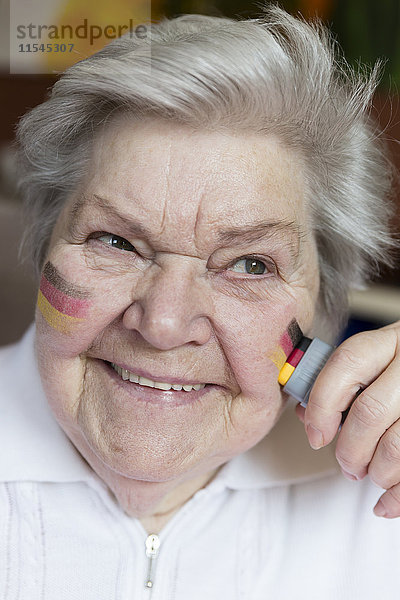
(367, 30)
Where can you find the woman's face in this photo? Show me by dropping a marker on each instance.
(183, 258)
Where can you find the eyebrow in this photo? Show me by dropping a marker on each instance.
(251, 233)
(96, 201)
(244, 234)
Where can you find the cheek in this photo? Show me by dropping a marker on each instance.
(66, 325)
(251, 336)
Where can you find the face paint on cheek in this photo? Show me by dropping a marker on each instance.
(62, 304)
(288, 341)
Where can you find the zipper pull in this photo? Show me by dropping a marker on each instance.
(152, 546)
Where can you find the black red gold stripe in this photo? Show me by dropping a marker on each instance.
(293, 360)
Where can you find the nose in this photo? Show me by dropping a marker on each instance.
(171, 306)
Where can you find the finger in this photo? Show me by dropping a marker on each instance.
(373, 412)
(384, 468)
(300, 411)
(355, 364)
(388, 504)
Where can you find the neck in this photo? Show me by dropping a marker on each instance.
(153, 503)
(172, 502)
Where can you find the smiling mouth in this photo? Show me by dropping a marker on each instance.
(145, 382)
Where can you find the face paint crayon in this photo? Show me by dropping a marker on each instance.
(287, 343)
(293, 360)
(61, 303)
(301, 369)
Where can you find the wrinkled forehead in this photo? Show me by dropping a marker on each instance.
(172, 176)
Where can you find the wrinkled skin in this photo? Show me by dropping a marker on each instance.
(179, 303)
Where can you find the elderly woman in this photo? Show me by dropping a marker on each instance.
(192, 197)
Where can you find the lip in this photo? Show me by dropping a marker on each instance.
(170, 398)
(161, 379)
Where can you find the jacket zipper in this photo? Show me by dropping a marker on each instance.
(152, 548)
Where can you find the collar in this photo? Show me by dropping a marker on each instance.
(35, 448)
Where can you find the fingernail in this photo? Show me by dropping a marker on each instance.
(314, 437)
(349, 475)
(380, 510)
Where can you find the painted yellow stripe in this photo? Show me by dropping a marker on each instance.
(55, 318)
(285, 373)
(278, 357)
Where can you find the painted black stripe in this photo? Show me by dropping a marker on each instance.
(294, 332)
(53, 276)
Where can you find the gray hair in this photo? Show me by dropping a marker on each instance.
(275, 74)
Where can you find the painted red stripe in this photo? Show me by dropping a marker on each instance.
(295, 357)
(286, 343)
(74, 307)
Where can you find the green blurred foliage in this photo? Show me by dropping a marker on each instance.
(367, 30)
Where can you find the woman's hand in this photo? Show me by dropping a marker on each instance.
(369, 441)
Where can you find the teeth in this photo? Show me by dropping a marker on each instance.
(127, 375)
(146, 382)
(162, 386)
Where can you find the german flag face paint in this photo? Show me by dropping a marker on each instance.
(61, 303)
(287, 343)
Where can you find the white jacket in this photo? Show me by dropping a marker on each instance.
(277, 522)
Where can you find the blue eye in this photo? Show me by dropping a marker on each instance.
(116, 242)
(251, 266)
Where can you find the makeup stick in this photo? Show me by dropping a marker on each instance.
(302, 367)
